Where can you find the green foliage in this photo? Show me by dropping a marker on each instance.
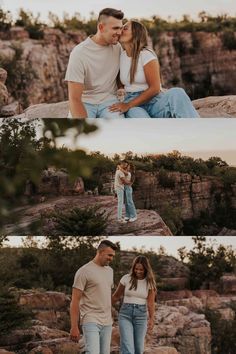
(166, 180)
(12, 316)
(229, 40)
(27, 20)
(206, 262)
(88, 221)
(172, 217)
(5, 20)
(223, 333)
(19, 75)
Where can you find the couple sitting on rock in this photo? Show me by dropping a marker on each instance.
(124, 178)
(118, 57)
(92, 298)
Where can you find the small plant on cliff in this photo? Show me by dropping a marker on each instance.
(229, 40)
(165, 180)
(223, 333)
(88, 221)
(12, 316)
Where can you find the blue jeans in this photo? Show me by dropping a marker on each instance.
(120, 202)
(133, 328)
(173, 103)
(130, 210)
(97, 338)
(102, 110)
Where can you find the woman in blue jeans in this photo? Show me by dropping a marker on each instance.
(140, 77)
(139, 290)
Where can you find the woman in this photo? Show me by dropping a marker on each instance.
(140, 76)
(139, 290)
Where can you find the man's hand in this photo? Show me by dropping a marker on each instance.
(75, 334)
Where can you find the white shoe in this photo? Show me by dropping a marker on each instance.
(133, 219)
(122, 221)
(126, 219)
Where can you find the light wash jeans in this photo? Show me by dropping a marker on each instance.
(120, 202)
(133, 328)
(173, 103)
(101, 110)
(130, 210)
(97, 338)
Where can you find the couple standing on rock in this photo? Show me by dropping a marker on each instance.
(113, 74)
(92, 299)
(124, 179)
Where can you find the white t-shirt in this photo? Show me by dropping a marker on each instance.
(139, 83)
(96, 67)
(138, 296)
(118, 184)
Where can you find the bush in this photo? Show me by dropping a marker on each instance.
(12, 315)
(80, 222)
(165, 180)
(229, 40)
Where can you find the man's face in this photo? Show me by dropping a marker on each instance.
(111, 30)
(124, 165)
(106, 256)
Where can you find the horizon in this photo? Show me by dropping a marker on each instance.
(147, 243)
(170, 11)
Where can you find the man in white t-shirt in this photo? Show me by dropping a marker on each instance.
(93, 69)
(119, 186)
(91, 299)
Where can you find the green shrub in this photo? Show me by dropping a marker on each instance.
(78, 222)
(12, 315)
(165, 180)
(229, 40)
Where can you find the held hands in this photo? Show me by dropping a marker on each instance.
(74, 334)
(119, 107)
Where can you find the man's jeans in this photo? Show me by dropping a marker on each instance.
(97, 338)
(130, 211)
(102, 110)
(133, 328)
(173, 103)
(120, 202)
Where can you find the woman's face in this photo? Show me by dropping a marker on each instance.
(139, 271)
(126, 35)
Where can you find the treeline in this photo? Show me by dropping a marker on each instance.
(155, 24)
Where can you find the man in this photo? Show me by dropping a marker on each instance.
(91, 298)
(119, 187)
(93, 69)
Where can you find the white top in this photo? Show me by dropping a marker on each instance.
(118, 184)
(138, 296)
(139, 83)
(96, 67)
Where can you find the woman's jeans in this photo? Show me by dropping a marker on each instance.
(120, 202)
(97, 338)
(130, 211)
(173, 103)
(133, 328)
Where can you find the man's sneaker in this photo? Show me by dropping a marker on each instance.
(126, 219)
(122, 221)
(133, 219)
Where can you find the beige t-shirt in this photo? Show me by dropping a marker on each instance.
(96, 283)
(118, 184)
(138, 296)
(96, 67)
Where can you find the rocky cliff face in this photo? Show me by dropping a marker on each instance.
(191, 194)
(198, 62)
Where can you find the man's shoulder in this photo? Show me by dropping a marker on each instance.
(79, 48)
(85, 267)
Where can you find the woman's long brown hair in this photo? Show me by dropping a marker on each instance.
(139, 42)
(148, 273)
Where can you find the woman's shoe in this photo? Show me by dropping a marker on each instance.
(126, 218)
(133, 219)
(122, 221)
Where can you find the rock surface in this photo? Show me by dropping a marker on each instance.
(148, 223)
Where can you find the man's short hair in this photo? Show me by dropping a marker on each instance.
(123, 161)
(118, 14)
(106, 243)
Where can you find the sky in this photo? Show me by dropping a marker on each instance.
(194, 137)
(137, 8)
(171, 244)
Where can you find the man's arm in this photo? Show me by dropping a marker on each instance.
(74, 314)
(76, 105)
(151, 308)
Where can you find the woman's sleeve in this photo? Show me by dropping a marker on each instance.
(147, 56)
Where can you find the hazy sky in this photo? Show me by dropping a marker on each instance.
(171, 244)
(194, 137)
(138, 8)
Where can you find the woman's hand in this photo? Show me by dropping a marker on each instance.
(150, 324)
(119, 107)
